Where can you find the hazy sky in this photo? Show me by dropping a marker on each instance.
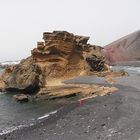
(22, 22)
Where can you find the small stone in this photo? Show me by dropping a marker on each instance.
(103, 124)
(21, 97)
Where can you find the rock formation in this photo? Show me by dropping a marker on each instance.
(124, 49)
(82, 91)
(61, 56)
(24, 76)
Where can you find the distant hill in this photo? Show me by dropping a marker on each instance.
(124, 49)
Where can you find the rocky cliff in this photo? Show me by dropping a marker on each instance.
(124, 49)
(60, 56)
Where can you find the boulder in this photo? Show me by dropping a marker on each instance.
(21, 97)
(25, 76)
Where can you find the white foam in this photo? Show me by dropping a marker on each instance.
(11, 129)
(9, 63)
(1, 93)
(130, 69)
(134, 68)
(47, 115)
(138, 70)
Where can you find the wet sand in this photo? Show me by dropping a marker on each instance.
(111, 117)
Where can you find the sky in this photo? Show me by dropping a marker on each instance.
(22, 22)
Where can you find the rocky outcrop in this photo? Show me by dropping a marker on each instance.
(61, 56)
(25, 76)
(124, 50)
(82, 91)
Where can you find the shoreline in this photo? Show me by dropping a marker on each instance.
(110, 114)
(48, 120)
(114, 116)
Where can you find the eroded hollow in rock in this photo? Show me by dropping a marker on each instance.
(61, 56)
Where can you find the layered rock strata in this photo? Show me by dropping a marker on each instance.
(61, 56)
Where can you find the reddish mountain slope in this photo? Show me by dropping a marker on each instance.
(124, 49)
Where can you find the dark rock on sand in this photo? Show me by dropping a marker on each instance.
(123, 50)
(21, 97)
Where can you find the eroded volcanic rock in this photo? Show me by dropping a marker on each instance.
(59, 57)
(2, 84)
(124, 49)
(83, 91)
(63, 55)
(24, 76)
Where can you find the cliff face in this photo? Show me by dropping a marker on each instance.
(61, 56)
(124, 49)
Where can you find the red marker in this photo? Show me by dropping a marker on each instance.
(81, 102)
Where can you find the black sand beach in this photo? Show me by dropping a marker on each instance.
(112, 117)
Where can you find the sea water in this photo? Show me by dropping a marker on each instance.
(131, 70)
(15, 115)
(1, 70)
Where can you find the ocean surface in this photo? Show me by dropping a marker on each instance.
(15, 115)
(131, 70)
(1, 70)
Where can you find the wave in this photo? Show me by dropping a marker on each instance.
(14, 128)
(47, 115)
(133, 69)
(11, 129)
(129, 69)
(8, 63)
(1, 93)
